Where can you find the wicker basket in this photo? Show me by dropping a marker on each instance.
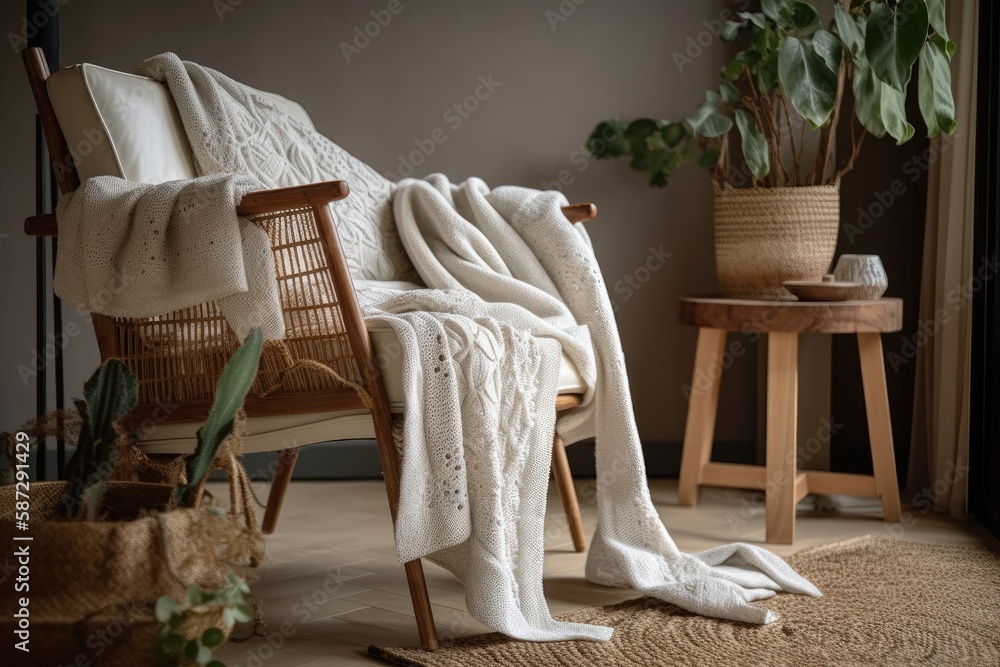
(93, 584)
(765, 236)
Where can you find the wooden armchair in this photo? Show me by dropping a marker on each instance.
(127, 126)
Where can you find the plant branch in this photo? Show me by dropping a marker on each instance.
(796, 162)
(828, 140)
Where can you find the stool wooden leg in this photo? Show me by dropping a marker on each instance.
(702, 407)
(567, 492)
(879, 424)
(782, 419)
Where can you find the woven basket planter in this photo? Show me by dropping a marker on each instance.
(765, 236)
(94, 584)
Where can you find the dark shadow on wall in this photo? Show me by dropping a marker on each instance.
(883, 208)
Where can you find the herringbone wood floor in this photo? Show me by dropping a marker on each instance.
(332, 584)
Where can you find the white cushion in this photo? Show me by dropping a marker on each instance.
(119, 124)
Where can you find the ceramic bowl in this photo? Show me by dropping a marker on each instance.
(864, 269)
(812, 290)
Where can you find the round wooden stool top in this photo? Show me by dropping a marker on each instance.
(748, 316)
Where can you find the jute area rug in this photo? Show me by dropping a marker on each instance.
(885, 602)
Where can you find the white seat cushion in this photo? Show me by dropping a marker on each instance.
(125, 125)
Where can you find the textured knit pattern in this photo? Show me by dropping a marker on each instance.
(136, 250)
(233, 128)
(511, 284)
(887, 602)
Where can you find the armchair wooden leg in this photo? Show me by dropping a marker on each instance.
(389, 459)
(282, 477)
(782, 421)
(702, 407)
(567, 491)
(879, 424)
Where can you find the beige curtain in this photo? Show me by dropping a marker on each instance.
(939, 451)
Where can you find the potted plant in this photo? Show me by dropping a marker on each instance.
(776, 212)
(124, 572)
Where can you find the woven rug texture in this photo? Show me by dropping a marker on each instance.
(886, 603)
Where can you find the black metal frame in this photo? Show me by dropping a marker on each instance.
(46, 36)
(984, 445)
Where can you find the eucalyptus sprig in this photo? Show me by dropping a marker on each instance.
(174, 648)
(790, 78)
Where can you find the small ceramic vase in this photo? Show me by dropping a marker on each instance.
(864, 269)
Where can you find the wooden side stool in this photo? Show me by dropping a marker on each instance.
(783, 321)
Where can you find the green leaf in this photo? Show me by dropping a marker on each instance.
(893, 40)
(776, 10)
(748, 58)
(937, 105)
(655, 142)
(848, 29)
(945, 45)
(110, 394)
(242, 613)
(673, 133)
(755, 150)
(705, 121)
(191, 650)
(172, 643)
(231, 390)
(804, 17)
(809, 84)
(730, 94)
(193, 595)
(607, 140)
(212, 637)
(638, 131)
(868, 99)
(203, 656)
(215, 663)
(766, 74)
(708, 158)
(829, 48)
(936, 15)
(755, 18)
(730, 29)
(166, 607)
(893, 107)
(732, 70)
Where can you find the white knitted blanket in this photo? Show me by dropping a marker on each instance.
(512, 284)
(137, 250)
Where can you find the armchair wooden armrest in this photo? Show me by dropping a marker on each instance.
(580, 212)
(299, 196)
(254, 203)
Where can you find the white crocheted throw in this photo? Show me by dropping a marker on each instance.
(510, 286)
